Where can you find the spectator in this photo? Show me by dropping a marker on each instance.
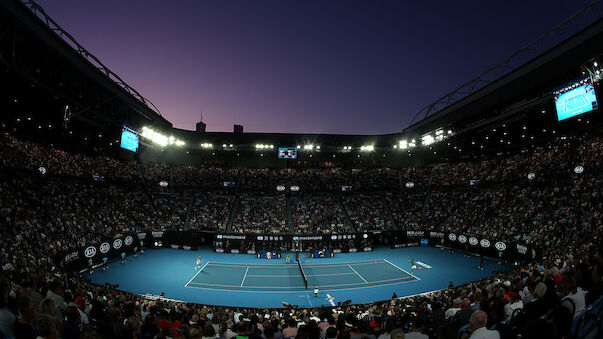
(478, 328)
(418, 325)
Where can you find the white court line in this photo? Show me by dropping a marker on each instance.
(358, 274)
(302, 289)
(293, 275)
(308, 297)
(245, 276)
(319, 286)
(196, 274)
(412, 275)
(361, 262)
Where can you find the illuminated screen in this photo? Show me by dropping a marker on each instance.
(576, 101)
(287, 153)
(129, 140)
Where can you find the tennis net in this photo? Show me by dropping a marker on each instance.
(303, 274)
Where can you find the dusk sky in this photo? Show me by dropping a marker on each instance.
(348, 67)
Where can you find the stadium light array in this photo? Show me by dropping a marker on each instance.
(406, 144)
(310, 147)
(436, 136)
(427, 140)
(367, 148)
(207, 145)
(262, 146)
(160, 139)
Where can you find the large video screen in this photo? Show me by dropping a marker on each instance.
(576, 101)
(287, 153)
(129, 140)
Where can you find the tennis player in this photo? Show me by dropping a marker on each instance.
(199, 261)
(412, 264)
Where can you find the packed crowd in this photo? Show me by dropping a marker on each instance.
(170, 210)
(31, 156)
(318, 214)
(367, 212)
(546, 162)
(62, 215)
(261, 214)
(210, 211)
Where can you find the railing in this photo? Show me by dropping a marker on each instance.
(584, 17)
(39, 12)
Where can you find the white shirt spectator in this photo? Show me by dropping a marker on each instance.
(451, 312)
(61, 305)
(484, 333)
(579, 301)
(510, 307)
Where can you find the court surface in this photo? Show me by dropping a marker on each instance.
(288, 277)
(244, 280)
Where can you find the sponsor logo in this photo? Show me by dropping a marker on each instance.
(521, 249)
(234, 237)
(235, 251)
(104, 247)
(412, 244)
(117, 243)
(485, 243)
(337, 250)
(501, 246)
(415, 233)
(260, 238)
(462, 239)
(308, 238)
(175, 247)
(250, 252)
(141, 235)
(352, 250)
(128, 240)
(473, 241)
(367, 249)
(437, 234)
(219, 250)
(157, 234)
(71, 257)
(399, 245)
(186, 248)
(452, 236)
(90, 251)
(422, 264)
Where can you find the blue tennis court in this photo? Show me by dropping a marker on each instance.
(228, 279)
(288, 277)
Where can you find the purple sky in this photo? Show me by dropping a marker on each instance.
(351, 67)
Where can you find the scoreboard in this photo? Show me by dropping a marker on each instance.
(287, 153)
(129, 139)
